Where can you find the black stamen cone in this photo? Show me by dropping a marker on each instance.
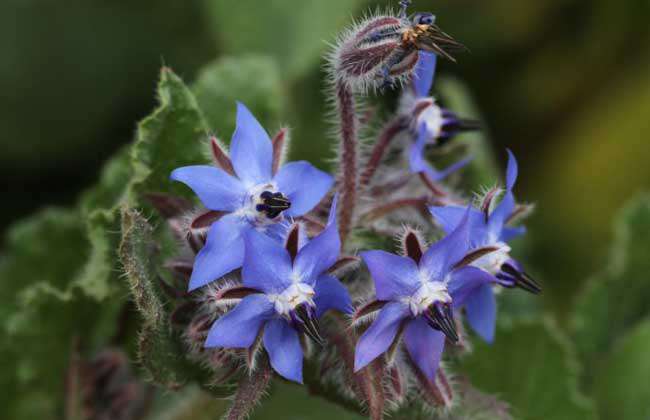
(457, 125)
(274, 204)
(306, 321)
(522, 279)
(441, 317)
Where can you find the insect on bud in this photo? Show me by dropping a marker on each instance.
(383, 50)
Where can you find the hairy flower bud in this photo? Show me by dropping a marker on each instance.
(383, 50)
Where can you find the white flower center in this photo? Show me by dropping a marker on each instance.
(254, 199)
(432, 119)
(429, 293)
(294, 295)
(493, 261)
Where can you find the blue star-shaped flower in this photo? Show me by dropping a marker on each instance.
(420, 293)
(430, 123)
(291, 293)
(254, 198)
(489, 231)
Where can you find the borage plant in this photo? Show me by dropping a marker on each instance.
(263, 263)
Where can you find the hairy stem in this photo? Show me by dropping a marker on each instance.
(250, 391)
(390, 131)
(432, 186)
(419, 203)
(366, 383)
(348, 150)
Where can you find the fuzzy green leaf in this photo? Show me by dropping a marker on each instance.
(42, 311)
(173, 136)
(99, 278)
(622, 388)
(159, 352)
(616, 299)
(529, 367)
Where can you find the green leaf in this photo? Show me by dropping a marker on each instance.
(99, 205)
(293, 32)
(622, 388)
(529, 366)
(111, 188)
(616, 299)
(159, 351)
(174, 135)
(42, 311)
(252, 80)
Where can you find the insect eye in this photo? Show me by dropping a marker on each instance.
(424, 19)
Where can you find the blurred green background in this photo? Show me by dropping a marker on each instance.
(564, 83)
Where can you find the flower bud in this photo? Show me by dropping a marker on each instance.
(383, 50)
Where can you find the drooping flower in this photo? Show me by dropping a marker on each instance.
(430, 123)
(290, 290)
(489, 232)
(252, 197)
(419, 293)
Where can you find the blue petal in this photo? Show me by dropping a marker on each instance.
(499, 216)
(425, 346)
(511, 171)
(482, 312)
(507, 205)
(251, 150)
(267, 264)
(380, 335)
(394, 276)
(321, 252)
(466, 281)
(449, 217)
(222, 253)
(425, 70)
(331, 218)
(277, 231)
(418, 163)
(331, 294)
(442, 255)
(304, 185)
(509, 233)
(283, 346)
(239, 327)
(216, 189)
(436, 175)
